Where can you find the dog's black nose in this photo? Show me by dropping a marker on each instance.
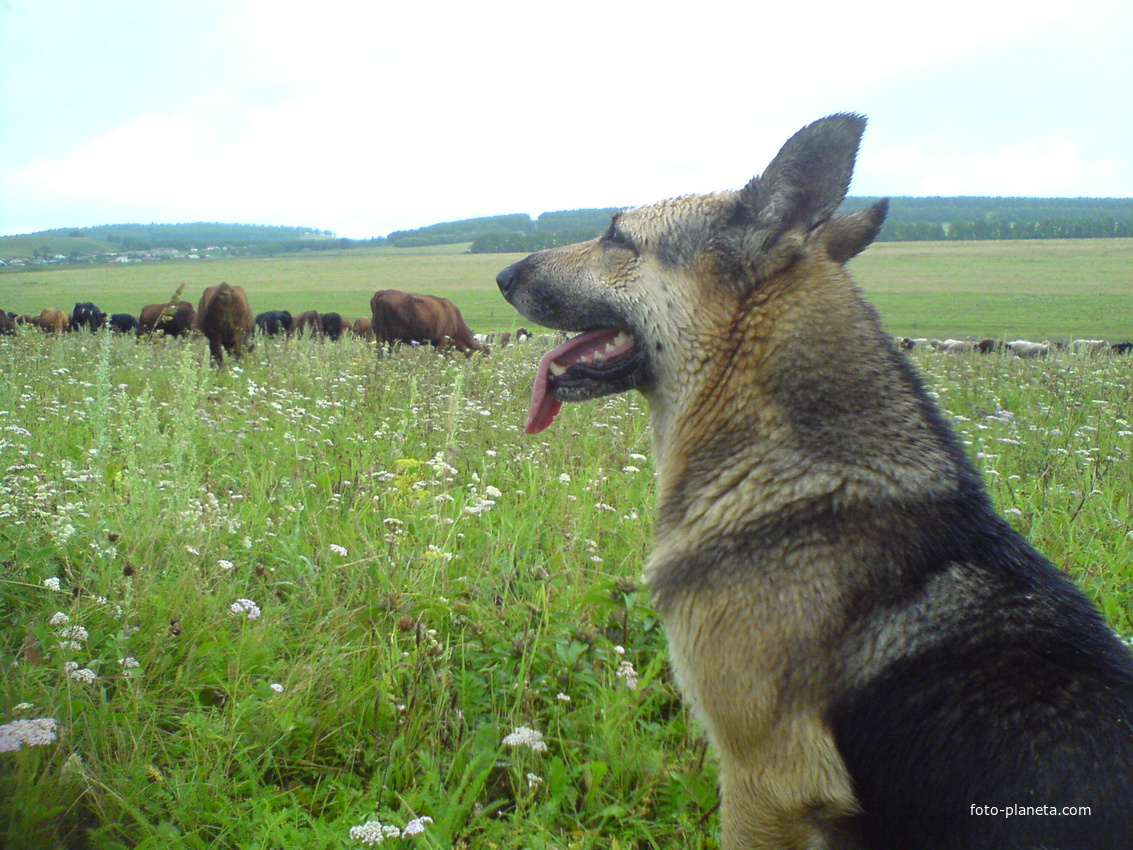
(506, 279)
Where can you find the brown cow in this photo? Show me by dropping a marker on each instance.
(405, 317)
(7, 326)
(225, 317)
(52, 320)
(364, 327)
(173, 318)
(307, 323)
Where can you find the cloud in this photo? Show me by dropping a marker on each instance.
(364, 118)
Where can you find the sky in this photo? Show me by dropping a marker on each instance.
(363, 117)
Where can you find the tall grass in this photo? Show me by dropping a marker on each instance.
(271, 603)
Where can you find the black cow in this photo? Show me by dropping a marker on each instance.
(1121, 347)
(274, 322)
(332, 325)
(87, 315)
(124, 323)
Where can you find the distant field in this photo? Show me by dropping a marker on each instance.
(1052, 289)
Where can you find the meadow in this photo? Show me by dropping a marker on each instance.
(1039, 289)
(323, 596)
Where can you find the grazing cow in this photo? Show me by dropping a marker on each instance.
(124, 323)
(307, 323)
(522, 335)
(1121, 347)
(333, 325)
(226, 319)
(989, 346)
(364, 327)
(7, 324)
(405, 317)
(52, 320)
(274, 322)
(87, 315)
(173, 318)
(1026, 348)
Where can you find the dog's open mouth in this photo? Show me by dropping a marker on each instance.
(592, 364)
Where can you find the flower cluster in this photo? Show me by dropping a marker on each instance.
(33, 733)
(246, 607)
(375, 832)
(522, 736)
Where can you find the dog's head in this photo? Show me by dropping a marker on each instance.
(644, 293)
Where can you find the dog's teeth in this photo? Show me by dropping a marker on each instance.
(556, 370)
(622, 338)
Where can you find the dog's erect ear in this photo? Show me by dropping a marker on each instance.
(801, 188)
(846, 236)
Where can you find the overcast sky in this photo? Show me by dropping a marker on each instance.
(363, 117)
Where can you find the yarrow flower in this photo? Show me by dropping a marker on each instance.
(277, 687)
(374, 832)
(79, 674)
(625, 671)
(33, 733)
(522, 736)
(245, 606)
(339, 550)
(52, 584)
(225, 564)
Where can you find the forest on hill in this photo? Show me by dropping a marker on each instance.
(909, 220)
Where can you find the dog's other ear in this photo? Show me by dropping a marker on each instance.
(846, 236)
(799, 191)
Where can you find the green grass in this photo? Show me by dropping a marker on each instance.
(429, 579)
(1056, 289)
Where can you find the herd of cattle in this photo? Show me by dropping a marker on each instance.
(1020, 347)
(224, 316)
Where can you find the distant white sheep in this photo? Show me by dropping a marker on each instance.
(1026, 348)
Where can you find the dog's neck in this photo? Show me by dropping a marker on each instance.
(768, 424)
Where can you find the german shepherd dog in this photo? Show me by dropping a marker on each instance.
(879, 659)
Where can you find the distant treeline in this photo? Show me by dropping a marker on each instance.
(909, 219)
(183, 237)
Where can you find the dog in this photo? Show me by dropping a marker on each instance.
(879, 659)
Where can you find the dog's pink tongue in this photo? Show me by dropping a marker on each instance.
(544, 406)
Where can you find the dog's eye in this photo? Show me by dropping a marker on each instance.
(614, 236)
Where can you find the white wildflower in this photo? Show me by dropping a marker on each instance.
(225, 564)
(564, 478)
(52, 584)
(522, 736)
(33, 733)
(563, 697)
(74, 633)
(277, 687)
(59, 619)
(245, 606)
(339, 550)
(534, 780)
(493, 492)
(373, 832)
(416, 826)
(79, 674)
(625, 671)
(129, 663)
